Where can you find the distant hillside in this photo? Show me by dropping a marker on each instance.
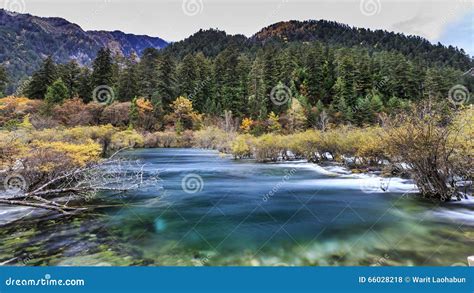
(331, 32)
(25, 40)
(212, 42)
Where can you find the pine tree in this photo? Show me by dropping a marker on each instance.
(345, 88)
(102, 66)
(226, 79)
(187, 76)
(205, 83)
(363, 78)
(329, 77)
(343, 110)
(240, 105)
(256, 90)
(128, 81)
(84, 89)
(42, 79)
(296, 116)
(147, 73)
(166, 80)
(376, 104)
(270, 75)
(133, 114)
(363, 114)
(70, 75)
(56, 93)
(315, 77)
(3, 81)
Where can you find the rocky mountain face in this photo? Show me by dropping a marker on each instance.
(25, 40)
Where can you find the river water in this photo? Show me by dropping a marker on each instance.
(208, 209)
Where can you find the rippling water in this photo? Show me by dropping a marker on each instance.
(212, 210)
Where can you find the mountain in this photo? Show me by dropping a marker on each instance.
(25, 40)
(331, 32)
(212, 42)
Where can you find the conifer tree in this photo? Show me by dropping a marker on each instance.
(70, 73)
(102, 69)
(56, 93)
(3, 80)
(42, 79)
(128, 80)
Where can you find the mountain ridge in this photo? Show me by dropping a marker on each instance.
(26, 39)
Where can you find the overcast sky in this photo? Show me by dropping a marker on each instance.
(448, 21)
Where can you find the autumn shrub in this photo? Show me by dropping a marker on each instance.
(242, 146)
(305, 144)
(213, 138)
(370, 145)
(74, 112)
(268, 147)
(116, 114)
(78, 154)
(12, 148)
(461, 142)
(15, 108)
(435, 146)
(126, 139)
(186, 139)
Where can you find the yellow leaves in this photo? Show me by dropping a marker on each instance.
(144, 105)
(26, 124)
(246, 125)
(213, 137)
(240, 147)
(18, 103)
(182, 106)
(126, 139)
(11, 149)
(273, 123)
(305, 143)
(183, 116)
(79, 154)
(365, 143)
(370, 143)
(268, 147)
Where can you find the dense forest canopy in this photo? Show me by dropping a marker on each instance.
(350, 82)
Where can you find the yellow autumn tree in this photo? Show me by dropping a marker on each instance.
(246, 125)
(183, 116)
